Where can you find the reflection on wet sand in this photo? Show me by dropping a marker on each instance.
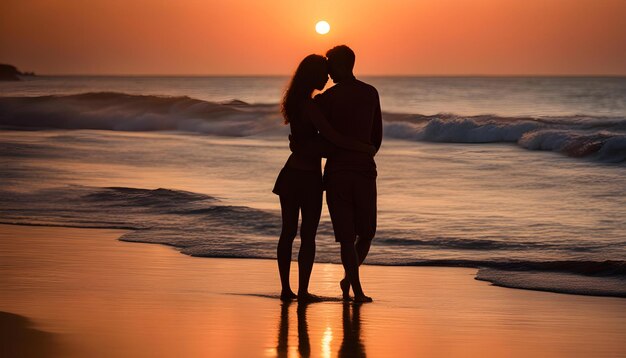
(282, 348)
(351, 345)
(102, 298)
(304, 345)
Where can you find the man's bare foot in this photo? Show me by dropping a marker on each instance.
(362, 299)
(307, 297)
(288, 296)
(345, 288)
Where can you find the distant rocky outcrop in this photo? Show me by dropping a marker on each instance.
(11, 73)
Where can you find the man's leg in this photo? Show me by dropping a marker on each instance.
(365, 209)
(350, 263)
(366, 213)
(362, 247)
(340, 200)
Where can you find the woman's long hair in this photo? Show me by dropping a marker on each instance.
(302, 84)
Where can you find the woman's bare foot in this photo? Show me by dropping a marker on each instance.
(288, 295)
(345, 288)
(362, 299)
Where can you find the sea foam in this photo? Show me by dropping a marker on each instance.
(202, 225)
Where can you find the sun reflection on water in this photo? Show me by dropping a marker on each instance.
(327, 338)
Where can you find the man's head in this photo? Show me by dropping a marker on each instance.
(340, 63)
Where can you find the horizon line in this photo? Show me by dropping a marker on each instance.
(358, 75)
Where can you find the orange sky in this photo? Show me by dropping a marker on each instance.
(429, 37)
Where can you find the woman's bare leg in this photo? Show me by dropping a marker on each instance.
(290, 212)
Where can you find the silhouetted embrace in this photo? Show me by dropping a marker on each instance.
(343, 124)
(299, 184)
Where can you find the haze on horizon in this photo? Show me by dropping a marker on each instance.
(241, 37)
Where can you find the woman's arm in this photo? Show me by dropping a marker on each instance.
(327, 131)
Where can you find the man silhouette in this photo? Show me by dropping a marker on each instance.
(353, 108)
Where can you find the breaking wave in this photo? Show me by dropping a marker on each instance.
(598, 138)
(125, 112)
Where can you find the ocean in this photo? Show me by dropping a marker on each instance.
(523, 178)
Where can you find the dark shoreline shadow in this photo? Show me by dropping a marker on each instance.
(277, 296)
(19, 339)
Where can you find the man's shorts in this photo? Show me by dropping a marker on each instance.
(351, 200)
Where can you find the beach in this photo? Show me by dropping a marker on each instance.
(163, 163)
(137, 220)
(92, 295)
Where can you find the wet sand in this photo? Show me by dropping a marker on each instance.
(81, 292)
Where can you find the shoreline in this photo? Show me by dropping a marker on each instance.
(503, 283)
(101, 297)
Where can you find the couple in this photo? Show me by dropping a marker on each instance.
(343, 124)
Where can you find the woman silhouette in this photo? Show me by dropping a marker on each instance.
(299, 184)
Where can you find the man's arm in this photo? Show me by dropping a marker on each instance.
(377, 125)
(327, 131)
(316, 146)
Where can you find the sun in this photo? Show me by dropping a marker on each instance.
(322, 27)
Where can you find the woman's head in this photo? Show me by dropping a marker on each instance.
(311, 74)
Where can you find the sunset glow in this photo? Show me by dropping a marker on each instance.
(431, 37)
